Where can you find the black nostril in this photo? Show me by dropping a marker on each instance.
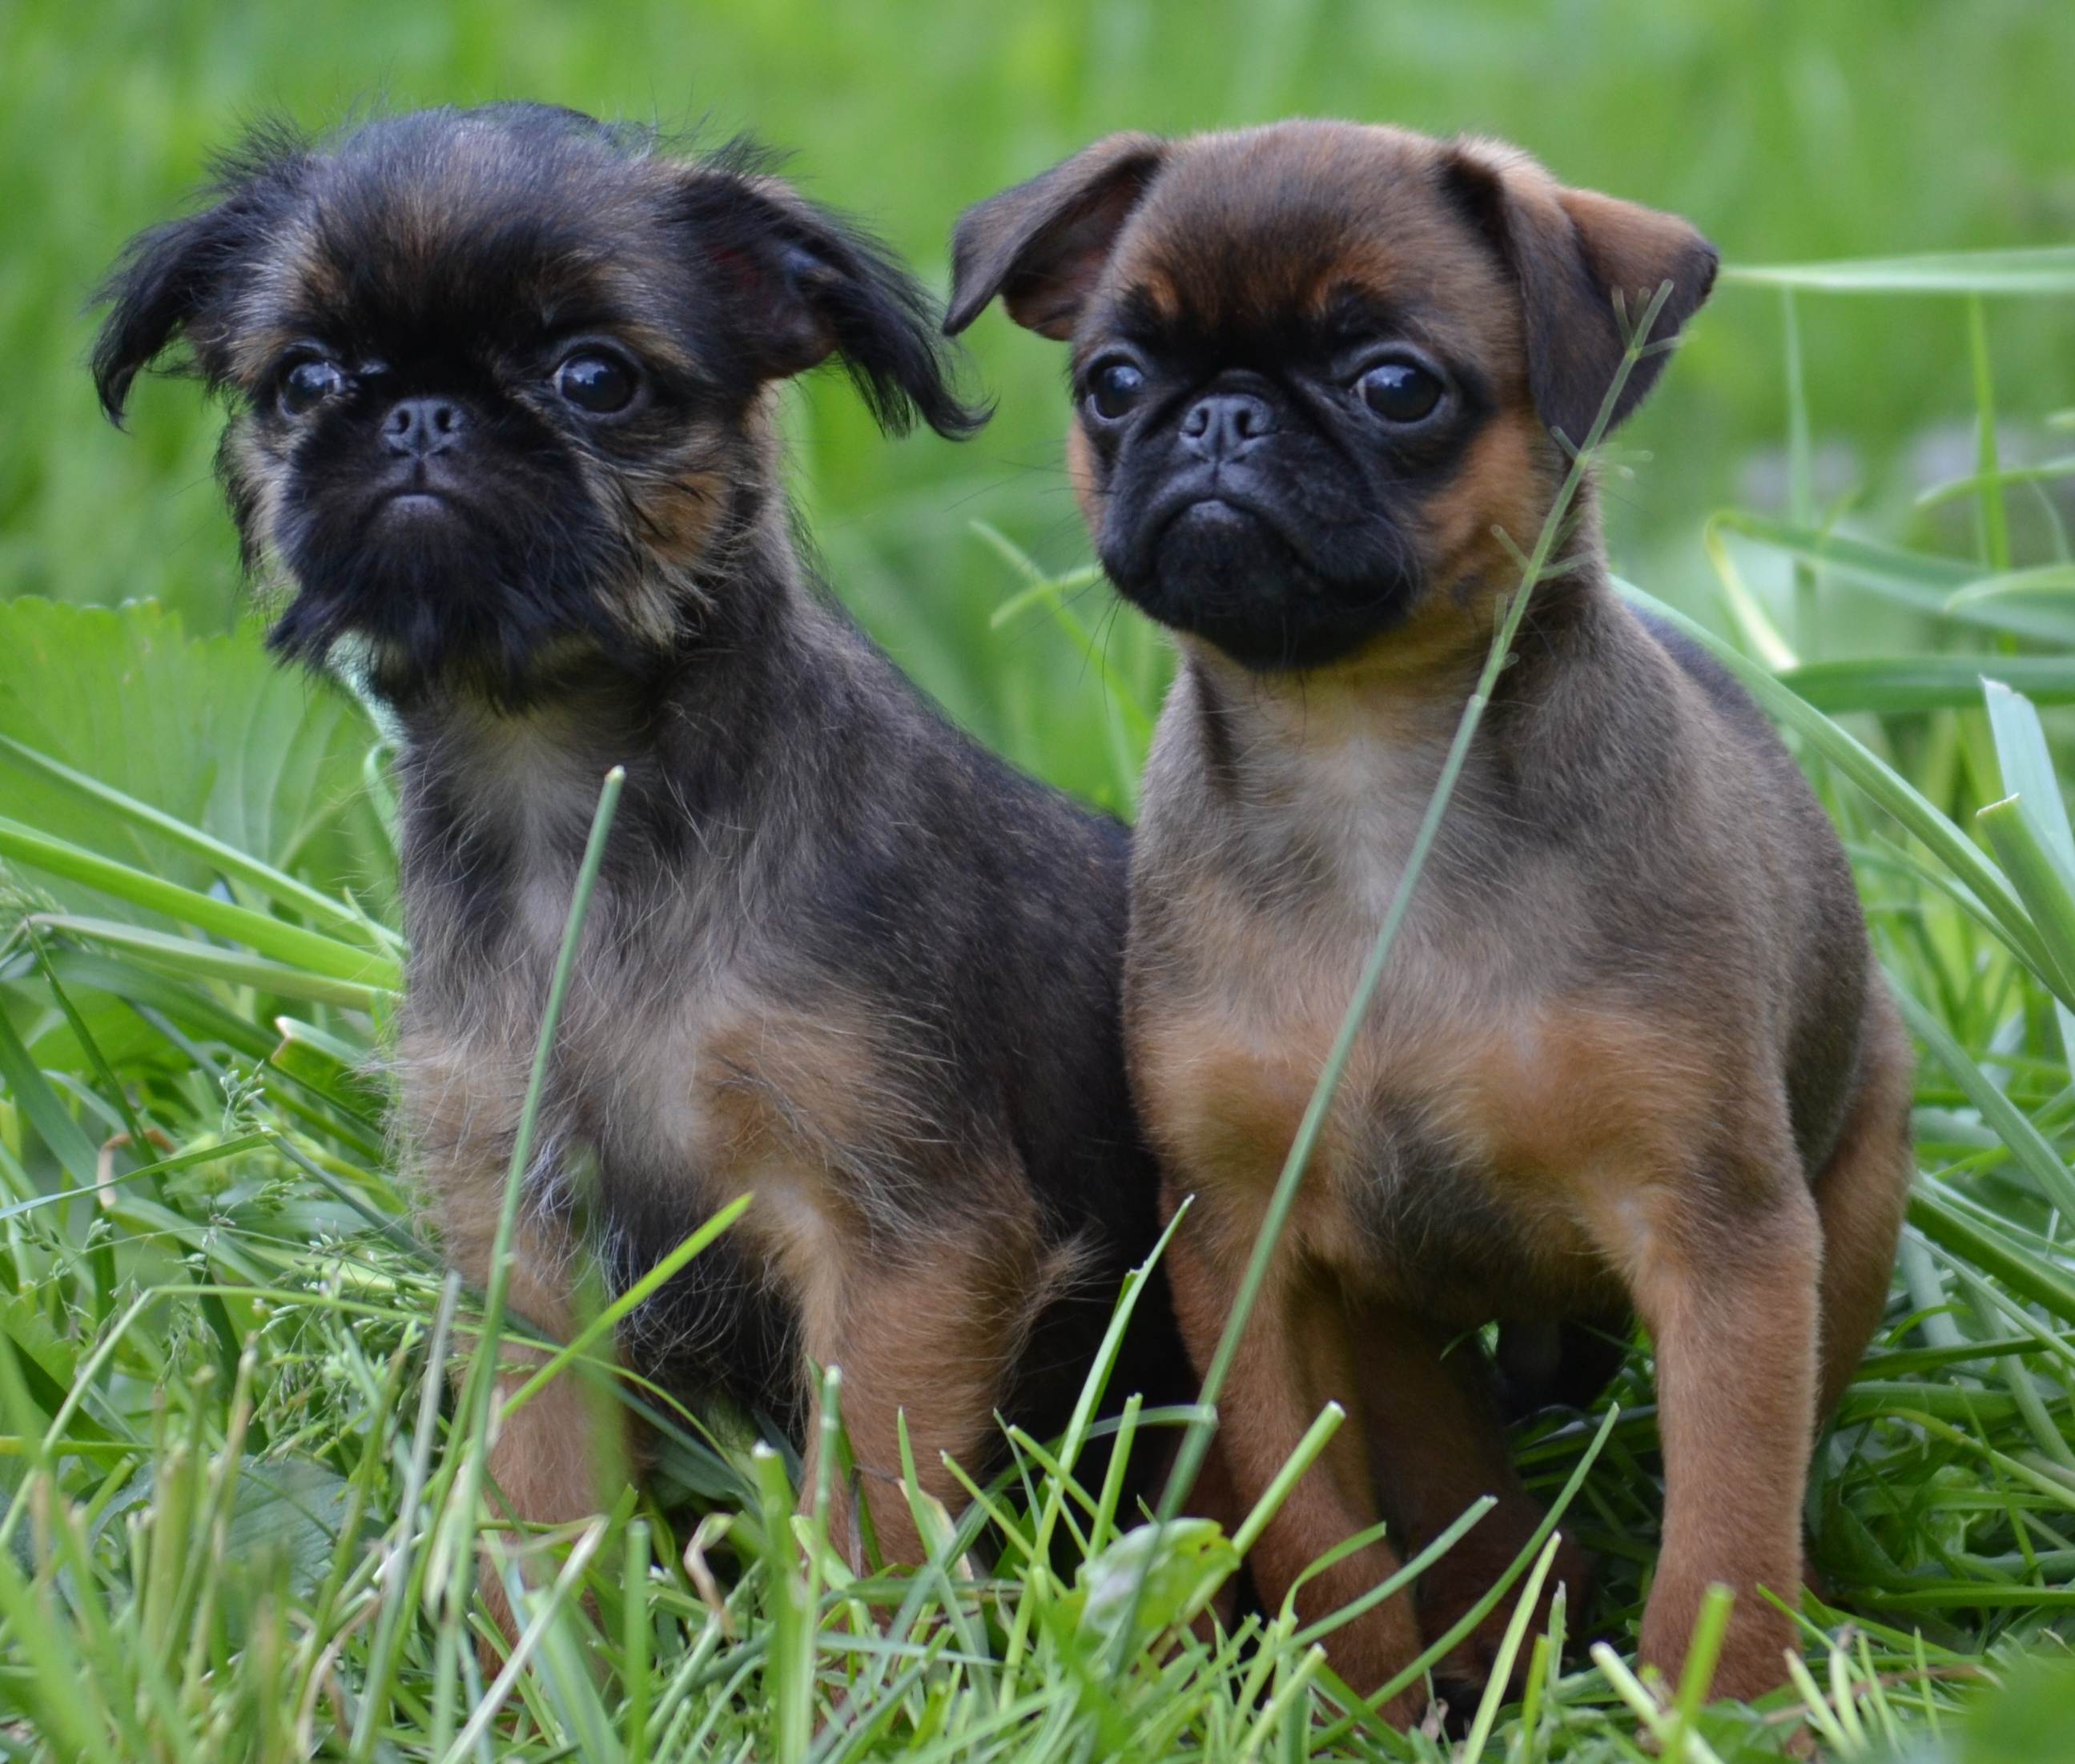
(423, 425)
(1223, 424)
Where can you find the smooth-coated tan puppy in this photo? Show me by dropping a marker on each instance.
(1629, 1051)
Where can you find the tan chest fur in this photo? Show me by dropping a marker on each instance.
(1496, 1115)
(692, 1092)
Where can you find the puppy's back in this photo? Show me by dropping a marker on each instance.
(1814, 899)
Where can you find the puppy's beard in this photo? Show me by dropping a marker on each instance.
(435, 599)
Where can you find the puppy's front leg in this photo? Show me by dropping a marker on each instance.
(1731, 1305)
(1295, 1357)
(554, 1459)
(923, 1331)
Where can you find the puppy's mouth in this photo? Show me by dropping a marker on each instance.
(1208, 542)
(1229, 567)
(1224, 512)
(415, 498)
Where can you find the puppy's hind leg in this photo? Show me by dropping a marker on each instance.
(1298, 1354)
(1438, 1443)
(1862, 1193)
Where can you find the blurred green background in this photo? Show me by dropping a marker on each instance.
(1790, 129)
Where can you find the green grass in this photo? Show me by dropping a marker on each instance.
(238, 1487)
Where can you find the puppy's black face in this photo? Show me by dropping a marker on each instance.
(1260, 479)
(498, 377)
(1315, 365)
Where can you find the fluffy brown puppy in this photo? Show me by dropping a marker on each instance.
(1629, 1051)
(504, 384)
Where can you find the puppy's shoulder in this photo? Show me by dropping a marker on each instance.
(1736, 709)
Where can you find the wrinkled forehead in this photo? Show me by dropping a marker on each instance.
(467, 235)
(1246, 236)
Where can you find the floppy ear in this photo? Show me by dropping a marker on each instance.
(1042, 245)
(169, 276)
(806, 284)
(1574, 253)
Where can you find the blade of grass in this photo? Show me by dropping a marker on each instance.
(189, 956)
(2045, 271)
(1994, 517)
(2026, 1144)
(264, 878)
(1509, 1651)
(258, 931)
(1890, 684)
(1801, 477)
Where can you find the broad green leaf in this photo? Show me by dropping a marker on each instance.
(1148, 1577)
(289, 1506)
(210, 732)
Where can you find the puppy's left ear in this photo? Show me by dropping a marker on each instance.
(806, 284)
(1576, 253)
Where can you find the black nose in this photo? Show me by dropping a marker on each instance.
(422, 426)
(1226, 425)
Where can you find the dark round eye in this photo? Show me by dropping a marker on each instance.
(1400, 392)
(307, 383)
(1113, 388)
(595, 382)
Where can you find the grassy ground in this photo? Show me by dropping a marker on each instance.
(237, 1490)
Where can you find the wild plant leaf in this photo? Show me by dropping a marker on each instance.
(209, 729)
(262, 932)
(2037, 602)
(2027, 764)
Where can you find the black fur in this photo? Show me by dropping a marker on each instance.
(1300, 549)
(805, 849)
(457, 253)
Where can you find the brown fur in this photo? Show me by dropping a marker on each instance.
(1629, 1050)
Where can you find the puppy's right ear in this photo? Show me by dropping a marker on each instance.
(1042, 245)
(169, 276)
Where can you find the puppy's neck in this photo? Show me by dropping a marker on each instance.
(694, 724)
(1393, 707)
